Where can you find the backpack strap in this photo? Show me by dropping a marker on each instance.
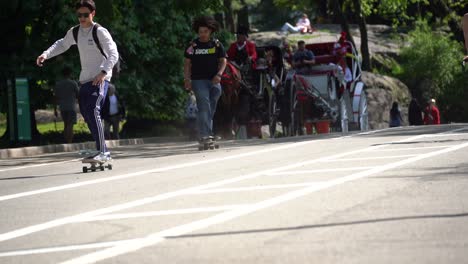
(96, 39)
(217, 42)
(75, 33)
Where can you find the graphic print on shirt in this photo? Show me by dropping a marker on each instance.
(205, 51)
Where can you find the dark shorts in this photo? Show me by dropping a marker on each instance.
(68, 117)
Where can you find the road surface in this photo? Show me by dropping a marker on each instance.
(391, 196)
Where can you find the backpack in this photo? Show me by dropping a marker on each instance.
(116, 69)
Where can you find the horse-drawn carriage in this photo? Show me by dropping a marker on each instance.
(330, 92)
(250, 94)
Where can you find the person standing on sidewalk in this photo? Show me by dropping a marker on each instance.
(432, 114)
(98, 55)
(66, 92)
(205, 61)
(113, 112)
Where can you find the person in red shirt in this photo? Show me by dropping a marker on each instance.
(432, 114)
(243, 50)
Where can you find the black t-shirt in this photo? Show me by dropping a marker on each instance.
(205, 58)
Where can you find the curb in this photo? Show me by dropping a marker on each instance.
(75, 147)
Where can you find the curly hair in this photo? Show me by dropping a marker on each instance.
(205, 21)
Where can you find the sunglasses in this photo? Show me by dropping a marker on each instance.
(84, 15)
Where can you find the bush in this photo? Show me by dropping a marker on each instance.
(430, 62)
(430, 66)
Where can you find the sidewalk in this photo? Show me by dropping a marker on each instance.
(75, 147)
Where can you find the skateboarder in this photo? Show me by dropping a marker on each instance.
(98, 55)
(205, 61)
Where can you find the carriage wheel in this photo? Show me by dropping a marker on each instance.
(363, 113)
(346, 110)
(294, 126)
(272, 114)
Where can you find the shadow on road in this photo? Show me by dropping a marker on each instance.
(294, 228)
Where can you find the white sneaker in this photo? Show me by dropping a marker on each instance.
(102, 157)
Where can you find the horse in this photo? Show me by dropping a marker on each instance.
(225, 116)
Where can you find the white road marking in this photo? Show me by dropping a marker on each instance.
(415, 148)
(255, 188)
(39, 165)
(162, 213)
(374, 158)
(71, 219)
(317, 171)
(446, 135)
(158, 237)
(135, 174)
(62, 221)
(64, 248)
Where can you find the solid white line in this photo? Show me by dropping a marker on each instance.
(456, 130)
(135, 174)
(64, 248)
(62, 221)
(415, 148)
(38, 165)
(317, 171)
(158, 237)
(255, 188)
(161, 213)
(446, 135)
(374, 158)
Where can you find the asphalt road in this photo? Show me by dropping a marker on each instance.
(391, 196)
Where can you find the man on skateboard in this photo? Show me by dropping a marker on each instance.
(205, 61)
(98, 55)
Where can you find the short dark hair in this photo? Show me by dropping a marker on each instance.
(205, 21)
(300, 42)
(86, 3)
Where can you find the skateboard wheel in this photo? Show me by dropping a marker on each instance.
(216, 146)
(85, 169)
(109, 167)
(102, 168)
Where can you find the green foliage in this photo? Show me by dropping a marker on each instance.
(431, 68)
(430, 62)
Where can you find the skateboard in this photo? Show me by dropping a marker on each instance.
(95, 165)
(207, 143)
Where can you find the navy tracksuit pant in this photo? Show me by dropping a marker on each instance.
(91, 100)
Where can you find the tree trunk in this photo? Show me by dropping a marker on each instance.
(341, 17)
(366, 65)
(243, 16)
(230, 25)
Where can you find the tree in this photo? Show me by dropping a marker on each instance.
(366, 64)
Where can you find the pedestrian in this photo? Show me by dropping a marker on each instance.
(414, 113)
(113, 112)
(395, 115)
(98, 55)
(432, 114)
(205, 61)
(66, 94)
